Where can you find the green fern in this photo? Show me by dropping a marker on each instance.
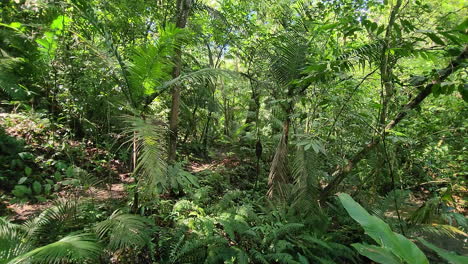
(191, 251)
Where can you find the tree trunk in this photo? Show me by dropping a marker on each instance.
(183, 8)
(386, 67)
(340, 173)
(254, 106)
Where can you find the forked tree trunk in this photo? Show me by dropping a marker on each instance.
(340, 173)
(183, 9)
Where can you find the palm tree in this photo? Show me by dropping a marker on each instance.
(25, 243)
(286, 69)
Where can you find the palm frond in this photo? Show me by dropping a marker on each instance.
(387, 203)
(201, 76)
(151, 168)
(70, 249)
(9, 81)
(290, 57)
(124, 230)
(150, 64)
(278, 177)
(48, 224)
(12, 240)
(304, 174)
(438, 230)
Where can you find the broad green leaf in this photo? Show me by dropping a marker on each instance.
(15, 25)
(377, 254)
(380, 231)
(44, 43)
(59, 22)
(462, 26)
(447, 255)
(22, 180)
(373, 226)
(329, 26)
(27, 171)
(21, 191)
(47, 188)
(37, 187)
(434, 38)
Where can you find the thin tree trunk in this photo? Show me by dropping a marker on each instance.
(134, 163)
(183, 8)
(192, 125)
(340, 173)
(386, 68)
(254, 106)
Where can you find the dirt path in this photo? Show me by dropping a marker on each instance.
(111, 192)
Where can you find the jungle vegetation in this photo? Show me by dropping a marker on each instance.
(233, 131)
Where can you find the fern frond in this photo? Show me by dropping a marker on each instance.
(258, 256)
(192, 251)
(285, 258)
(283, 231)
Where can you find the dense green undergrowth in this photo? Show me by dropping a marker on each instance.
(211, 216)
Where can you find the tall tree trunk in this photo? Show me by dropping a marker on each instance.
(386, 66)
(341, 172)
(183, 9)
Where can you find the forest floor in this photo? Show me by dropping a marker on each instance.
(22, 211)
(35, 133)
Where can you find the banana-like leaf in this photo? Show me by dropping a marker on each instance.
(381, 232)
(447, 255)
(377, 254)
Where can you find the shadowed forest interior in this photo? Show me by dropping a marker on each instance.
(233, 131)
